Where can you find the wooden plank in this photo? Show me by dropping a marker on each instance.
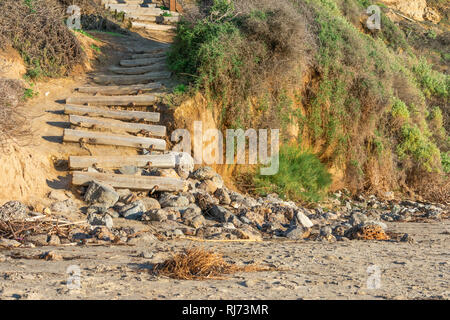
(129, 181)
(139, 70)
(141, 100)
(119, 90)
(113, 114)
(153, 26)
(87, 122)
(164, 161)
(146, 60)
(113, 139)
(132, 79)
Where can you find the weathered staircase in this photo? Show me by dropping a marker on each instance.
(144, 14)
(100, 115)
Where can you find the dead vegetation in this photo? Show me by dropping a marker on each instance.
(200, 264)
(37, 30)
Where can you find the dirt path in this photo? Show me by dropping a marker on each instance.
(310, 270)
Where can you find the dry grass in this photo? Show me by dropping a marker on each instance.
(200, 264)
(38, 32)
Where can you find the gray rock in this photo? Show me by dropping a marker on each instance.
(66, 207)
(98, 193)
(218, 213)
(203, 173)
(296, 232)
(169, 200)
(38, 239)
(100, 220)
(357, 218)
(184, 164)
(205, 200)
(325, 231)
(124, 195)
(197, 222)
(13, 210)
(156, 215)
(53, 240)
(189, 196)
(208, 185)
(133, 211)
(191, 212)
(150, 204)
(301, 219)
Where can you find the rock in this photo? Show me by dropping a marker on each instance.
(167, 173)
(357, 218)
(407, 238)
(125, 195)
(184, 164)
(189, 196)
(197, 222)
(228, 225)
(297, 232)
(100, 220)
(103, 233)
(133, 211)
(218, 213)
(203, 173)
(98, 193)
(9, 243)
(145, 239)
(173, 213)
(432, 15)
(150, 203)
(66, 207)
(13, 210)
(129, 170)
(51, 256)
(191, 212)
(301, 219)
(156, 215)
(57, 195)
(54, 240)
(247, 234)
(325, 231)
(169, 200)
(205, 200)
(38, 239)
(208, 186)
(223, 196)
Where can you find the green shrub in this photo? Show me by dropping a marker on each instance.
(301, 177)
(400, 110)
(416, 144)
(432, 82)
(446, 161)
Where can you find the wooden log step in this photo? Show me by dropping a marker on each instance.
(89, 137)
(129, 182)
(141, 100)
(145, 61)
(113, 114)
(154, 49)
(163, 161)
(87, 122)
(139, 56)
(133, 79)
(120, 90)
(139, 70)
(153, 26)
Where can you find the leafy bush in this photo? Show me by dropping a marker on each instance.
(416, 144)
(432, 82)
(301, 177)
(400, 110)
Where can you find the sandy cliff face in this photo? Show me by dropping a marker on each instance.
(416, 9)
